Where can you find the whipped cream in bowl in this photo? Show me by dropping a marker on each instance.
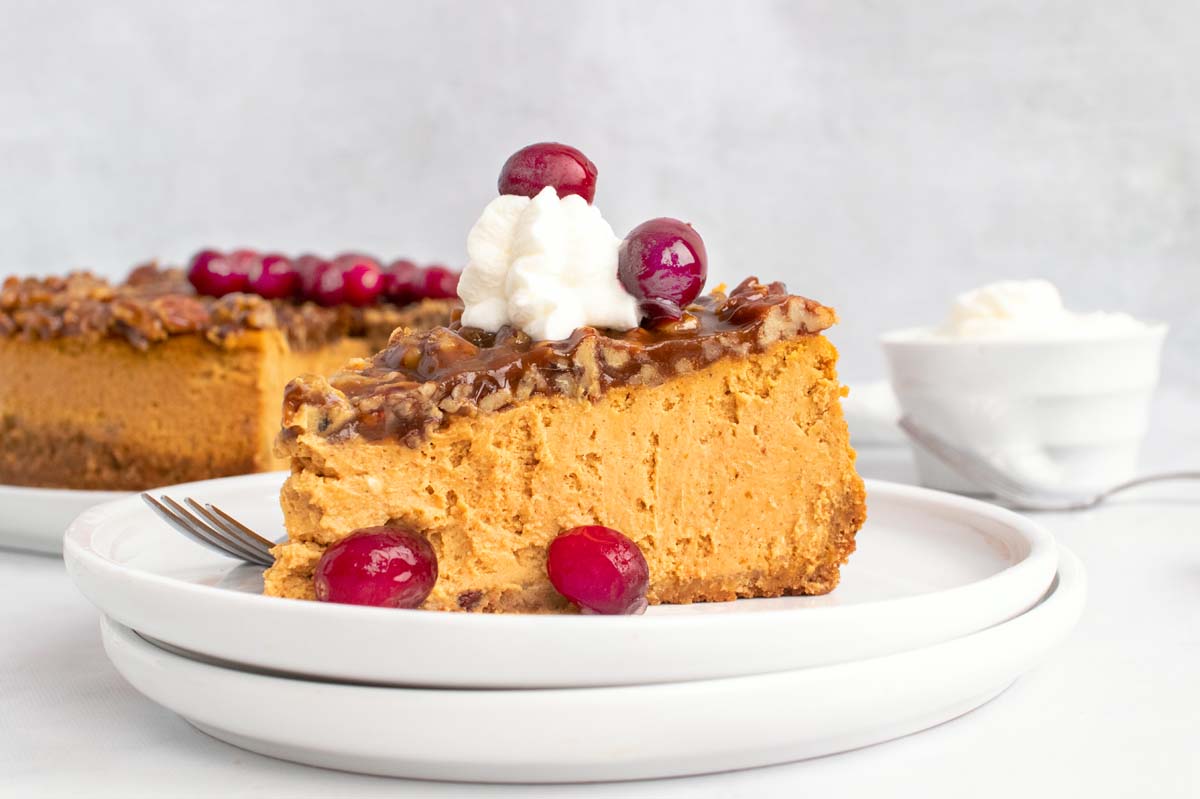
(1053, 396)
(1027, 310)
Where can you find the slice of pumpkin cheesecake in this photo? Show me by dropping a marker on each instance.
(717, 444)
(589, 432)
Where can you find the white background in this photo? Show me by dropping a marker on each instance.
(878, 156)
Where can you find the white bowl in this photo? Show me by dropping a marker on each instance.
(1070, 413)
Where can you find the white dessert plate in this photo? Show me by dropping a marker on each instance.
(930, 567)
(628, 732)
(35, 518)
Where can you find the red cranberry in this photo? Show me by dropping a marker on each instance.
(274, 277)
(215, 275)
(307, 266)
(532, 168)
(388, 567)
(599, 569)
(348, 280)
(440, 283)
(403, 282)
(663, 264)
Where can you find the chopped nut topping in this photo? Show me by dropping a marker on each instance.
(154, 304)
(419, 380)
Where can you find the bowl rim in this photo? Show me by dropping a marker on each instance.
(924, 336)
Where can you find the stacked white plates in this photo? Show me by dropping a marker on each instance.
(945, 604)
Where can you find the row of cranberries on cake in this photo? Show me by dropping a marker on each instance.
(348, 279)
(599, 569)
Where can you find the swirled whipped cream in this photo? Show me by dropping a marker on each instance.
(1027, 309)
(546, 265)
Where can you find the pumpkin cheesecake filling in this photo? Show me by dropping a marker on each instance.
(716, 443)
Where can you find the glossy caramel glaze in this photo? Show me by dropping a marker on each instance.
(419, 380)
(153, 304)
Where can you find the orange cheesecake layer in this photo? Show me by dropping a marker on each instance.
(735, 480)
(103, 415)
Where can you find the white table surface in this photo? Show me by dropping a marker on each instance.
(1113, 711)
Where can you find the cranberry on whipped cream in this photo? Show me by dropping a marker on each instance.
(542, 259)
(532, 168)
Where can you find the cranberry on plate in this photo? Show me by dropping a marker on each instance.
(600, 570)
(385, 566)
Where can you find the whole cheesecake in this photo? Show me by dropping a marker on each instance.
(148, 383)
(716, 444)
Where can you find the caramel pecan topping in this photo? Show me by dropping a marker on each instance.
(153, 304)
(419, 380)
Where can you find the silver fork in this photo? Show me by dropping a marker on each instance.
(214, 528)
(1019, 494)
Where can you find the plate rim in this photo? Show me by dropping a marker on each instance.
(1069, 563)
(494, 650)
(1042, 549)
(34, 518)
(102, 495)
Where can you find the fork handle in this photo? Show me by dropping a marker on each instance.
(1150, 478)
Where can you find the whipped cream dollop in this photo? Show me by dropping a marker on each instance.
(546, 265)
(1027, 309)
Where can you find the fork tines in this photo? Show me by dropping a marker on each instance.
(214, 528)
